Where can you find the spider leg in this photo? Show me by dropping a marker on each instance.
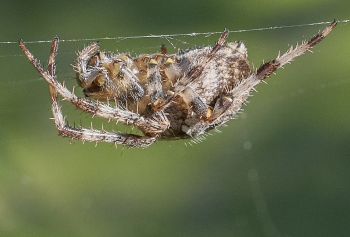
(268, 68)
(183, 86)
(154, 87)
(229, 104)
(98, 109)
(195, 72)
(190, 96)
(93, 135)
(152, 128)
(83, 58)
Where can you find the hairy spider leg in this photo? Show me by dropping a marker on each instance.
(151, 126)
(183, 86)
(102, 110)
(82, 60)
(230, 104)
(154, 87)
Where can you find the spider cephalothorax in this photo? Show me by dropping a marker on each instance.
(166, 96)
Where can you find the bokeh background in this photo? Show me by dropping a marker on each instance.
(281, 169)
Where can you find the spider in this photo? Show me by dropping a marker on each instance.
(166, 96)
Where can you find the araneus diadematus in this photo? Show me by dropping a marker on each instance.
(166, 96)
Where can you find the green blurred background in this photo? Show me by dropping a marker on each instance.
(281, 169)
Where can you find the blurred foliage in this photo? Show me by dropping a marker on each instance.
(280, 169)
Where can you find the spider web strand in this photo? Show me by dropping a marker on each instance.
(169, 36)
